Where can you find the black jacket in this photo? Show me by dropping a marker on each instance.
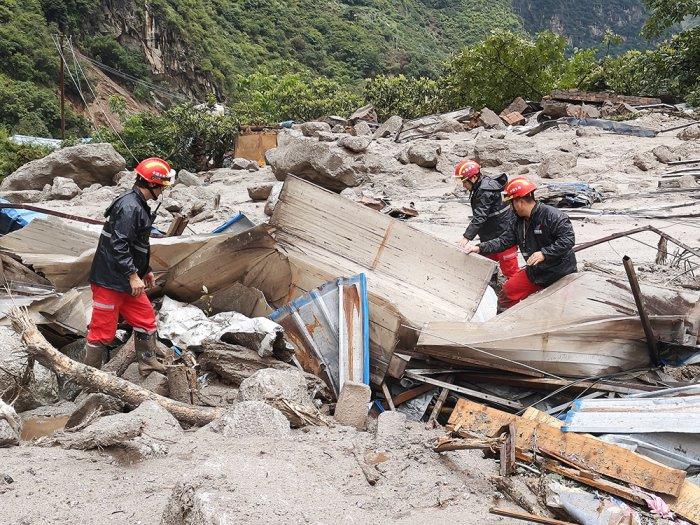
(548, 230)
(491, 216)
(124, 246)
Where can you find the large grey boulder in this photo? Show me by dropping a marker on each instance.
(42, 385)
(251, 418)
(424, 153)
(690, 133)
(355, 144)
(557, 165)
(270, 383)
(86, 164)
(240, 163)
(492, 152)
(390, 128)
(63, 189)
(311, 129)
(324, 163)
(187, 178)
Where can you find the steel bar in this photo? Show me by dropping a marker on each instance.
(644, 318)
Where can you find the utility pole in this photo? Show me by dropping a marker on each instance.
(63, 92)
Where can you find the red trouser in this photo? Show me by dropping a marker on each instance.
(516, 289)
(507, 260)
(108, 304)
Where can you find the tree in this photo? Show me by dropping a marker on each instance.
(667, 13)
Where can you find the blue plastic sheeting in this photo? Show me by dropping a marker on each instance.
(12, 220)
(328, 326)
(236, 224)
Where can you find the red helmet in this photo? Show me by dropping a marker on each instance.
(156, 171)
(467, 169)
(518, 187)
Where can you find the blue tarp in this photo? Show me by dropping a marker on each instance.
(13, 220)
(236, 224)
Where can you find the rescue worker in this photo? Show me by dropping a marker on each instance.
(491, 215)
(545, 237)
(121, 274)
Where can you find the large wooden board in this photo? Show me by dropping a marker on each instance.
(576, 449)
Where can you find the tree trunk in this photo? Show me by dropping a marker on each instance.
(98, 380)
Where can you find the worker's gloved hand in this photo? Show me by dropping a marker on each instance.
(471, 248)
(137, 285)
(535, 259)
(149, 280)
(463, 243)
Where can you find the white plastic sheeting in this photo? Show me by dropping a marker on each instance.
(187, 326)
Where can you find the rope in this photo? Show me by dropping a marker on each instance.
(87, 82)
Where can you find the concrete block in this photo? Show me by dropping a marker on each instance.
(351, 409)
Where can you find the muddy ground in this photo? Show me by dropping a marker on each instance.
(312, 475)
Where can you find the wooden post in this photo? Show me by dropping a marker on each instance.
(177, 226)
(63, 92)
(644, 318)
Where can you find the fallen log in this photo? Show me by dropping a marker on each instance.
(100, 381)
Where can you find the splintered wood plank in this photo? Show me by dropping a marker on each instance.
(527, 516)
(579, 450)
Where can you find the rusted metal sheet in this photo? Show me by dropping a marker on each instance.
(329, 328)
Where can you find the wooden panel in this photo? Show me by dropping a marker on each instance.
(253, 145)
(382, 245)
(579, 450)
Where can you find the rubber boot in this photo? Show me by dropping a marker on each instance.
(94, 354)
(146, 353)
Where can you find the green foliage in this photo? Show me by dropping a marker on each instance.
(667, 13)
(269, 99)
(12, 155)
(506, 65)
(108, 51)
(405, 96)
(672, 69)
(30, 109)
(188, 137)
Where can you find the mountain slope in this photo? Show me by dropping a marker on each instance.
(583, 22)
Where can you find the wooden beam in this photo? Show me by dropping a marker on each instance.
(411, 394)
(507, 452)
(387, 396)
(579, 450)
(527, 516)
(546, 383)
(466, 391)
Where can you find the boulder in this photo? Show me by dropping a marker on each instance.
(260, 192)
(390, 128)
(557, 165)
(582, 111)
(10, 426)
(514, 119)
(665, 154)
(355, 144)
(251, 418)
(353, 401)
(240, 163)
(690, 133)
(85, 164)
(424, 153)
(187, 178)
(327, 136)
(644, 161)
(271, 201)
(687, 182)
(63, 189)
(365, 113)
(24, 196)
(490, 120)
(154, 382)
(311, 129)
(517, 106)
(589, 131)
(402, 156)
(271, 383)
(323, 163)
(611, 109)
(172, 205)
(41, 387)
(491, 152)
(362, 129)
(338, 128)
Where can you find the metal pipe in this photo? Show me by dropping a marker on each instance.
(4, 206)
(643, 317)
